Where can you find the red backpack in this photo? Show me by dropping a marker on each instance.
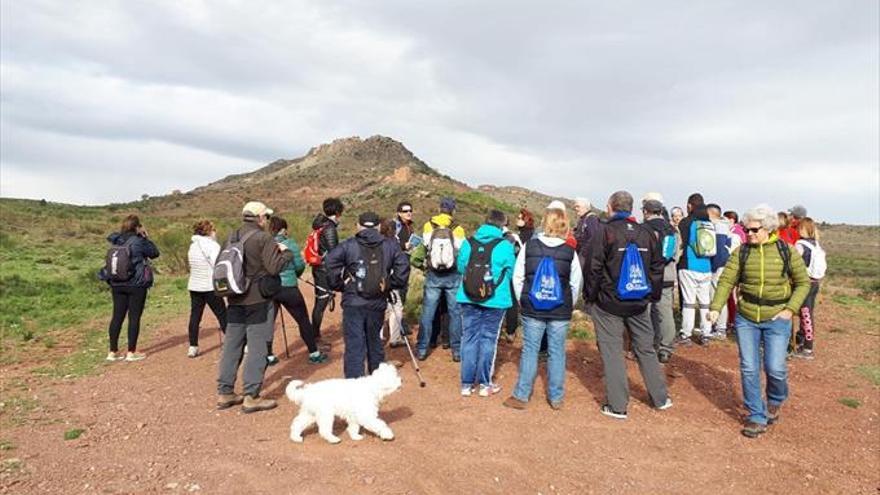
(312, 250)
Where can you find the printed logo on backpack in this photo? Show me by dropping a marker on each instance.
(704, 242)
(118, 264)
(633, 283)
(545, 293)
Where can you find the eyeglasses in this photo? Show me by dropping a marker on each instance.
(754, 230)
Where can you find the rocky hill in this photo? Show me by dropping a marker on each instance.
(373, 173)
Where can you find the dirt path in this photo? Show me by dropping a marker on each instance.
(151, 427)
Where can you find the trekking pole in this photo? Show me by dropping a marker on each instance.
(331, 295)
(283, 330)
(412, 357)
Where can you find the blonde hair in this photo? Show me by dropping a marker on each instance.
(555, 223)
(807, 229)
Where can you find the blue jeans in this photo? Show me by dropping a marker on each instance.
(480, 328)
(774, 335)
(533, 331)
(437, 286)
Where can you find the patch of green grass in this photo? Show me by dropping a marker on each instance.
(871, 372)
(847, 300)
(16, 408)
(6, 445)
(849, 402)
(73, 434)
(580, 330)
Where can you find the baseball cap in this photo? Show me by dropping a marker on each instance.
(368, 219)
(652, 206)
(556, 205)
(255, 209)
(798, 211)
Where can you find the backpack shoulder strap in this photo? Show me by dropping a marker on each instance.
(785, 253)
(744, 250)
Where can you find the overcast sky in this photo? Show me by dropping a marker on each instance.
(746, 102)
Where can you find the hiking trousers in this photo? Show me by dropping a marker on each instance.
(292, 300)
(323, 296)
(252, 324)
(197, 301)
(662, 321)
(609, 335)
(696, 293)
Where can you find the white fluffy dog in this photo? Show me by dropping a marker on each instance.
(356, 400)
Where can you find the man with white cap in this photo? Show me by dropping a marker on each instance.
(251, 315)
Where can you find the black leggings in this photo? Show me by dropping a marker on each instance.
(292, 300)
(322, 299)
(131, 301)
(198, 300)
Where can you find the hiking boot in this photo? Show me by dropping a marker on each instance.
(445, 345)
(666, 405)
(487, 390)
(114, 356)
(192, 352)
(271, 360)
(607, 411)
(135, 356)
(225, 401)
(317, 357)
(773, 414)
(664, 356)
(753, 430)
(556, 405)
(253, 404)
(514, 403)
(422, 356)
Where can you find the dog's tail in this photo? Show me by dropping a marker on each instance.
(294, 391)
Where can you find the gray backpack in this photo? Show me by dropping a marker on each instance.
(118, 266)
(229, 277)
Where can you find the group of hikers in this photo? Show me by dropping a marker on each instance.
(744, 279)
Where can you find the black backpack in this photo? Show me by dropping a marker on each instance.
(118, 265)
(479, 283)
(370, 278)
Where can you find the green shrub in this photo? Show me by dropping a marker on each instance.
(73, 434)
(849, 402)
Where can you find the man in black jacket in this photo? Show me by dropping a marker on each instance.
(612, 314)
(327, 221)
(365, 290)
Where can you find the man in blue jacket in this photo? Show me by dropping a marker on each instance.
(365, 268)
(482, 311)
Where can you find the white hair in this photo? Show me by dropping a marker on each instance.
(586, 203)
(763, 214)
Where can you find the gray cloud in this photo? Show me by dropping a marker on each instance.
(746, 102)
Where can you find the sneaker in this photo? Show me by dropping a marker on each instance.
(225, 401)
(422, 356)
(607, 411)
(467, 391)
(192, 352)
(773, 414)
(487, 390)
(135, 356)
(556, 405)
(718, 335)
(666, 405)
(514, 403)
(444, 345)
(317, 357)
(271, 360)
(324, 346)
(114, 356)
(701, 339)
(253, 404)
(456, 358)
(804, 354)
(753, 430)
(664, 356)
(683, 340)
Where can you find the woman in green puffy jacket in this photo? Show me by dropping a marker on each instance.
(290, 296)
(773, 283)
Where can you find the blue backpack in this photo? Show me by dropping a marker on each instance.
(546, 291)
(633, 283)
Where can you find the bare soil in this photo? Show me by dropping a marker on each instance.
(152, 427)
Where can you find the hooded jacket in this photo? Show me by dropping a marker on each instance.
(608, 251)
(293, 268)
(763, 281)
(261, 258)
(202, 256)
(329, 237)
(342, 264)
(142, 249)
(687, 228)
(502, 264)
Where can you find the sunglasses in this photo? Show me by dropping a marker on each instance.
(754, 230)
(405, 211)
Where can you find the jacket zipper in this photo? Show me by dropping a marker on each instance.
(761, 286)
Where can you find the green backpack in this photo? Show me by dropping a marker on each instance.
(704, 242)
